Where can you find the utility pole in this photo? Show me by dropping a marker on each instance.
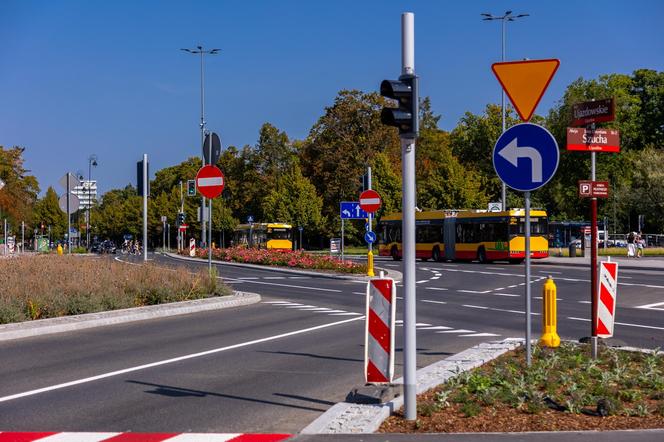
(145, 207)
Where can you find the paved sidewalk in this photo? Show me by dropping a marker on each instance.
(645, 263)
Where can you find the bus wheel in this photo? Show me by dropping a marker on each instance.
(516, 261)
(481, 256)
(435, 254)
(395, 254)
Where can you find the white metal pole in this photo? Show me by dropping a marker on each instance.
(503, 194)
(209, 242)
(369, 245)
(68, 213)
(145, 206)
(408, 232)
(528, 315)
(342, 239)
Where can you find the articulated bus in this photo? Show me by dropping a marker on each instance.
(468, 235)
(264, 235)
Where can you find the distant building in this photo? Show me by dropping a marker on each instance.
(86, 192)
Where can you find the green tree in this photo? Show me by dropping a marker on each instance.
(47, 212)
(20, 191)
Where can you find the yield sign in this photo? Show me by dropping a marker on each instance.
(210, 181)
(524, 82)
(370, 201)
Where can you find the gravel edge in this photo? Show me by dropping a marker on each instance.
(63, 324)
(345, 417)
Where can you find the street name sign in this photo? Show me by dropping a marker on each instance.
(598, 140)
(525, 82)
(593, 189)
(370, 201)
(352, 210)
(590, 112)
(525, 157)
(210, 181)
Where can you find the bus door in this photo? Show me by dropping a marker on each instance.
(449, 226)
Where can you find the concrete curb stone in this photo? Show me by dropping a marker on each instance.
(62, 324)
(344, 417)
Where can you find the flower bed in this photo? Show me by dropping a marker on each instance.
(283, 258)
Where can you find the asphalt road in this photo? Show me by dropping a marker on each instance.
(277, 365)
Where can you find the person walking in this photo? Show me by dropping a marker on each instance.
(631, 247)
(640, 244)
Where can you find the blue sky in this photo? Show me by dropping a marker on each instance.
(84, 77)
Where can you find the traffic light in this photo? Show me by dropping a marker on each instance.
(191, 187)
(363, 182)
(405, 117)
(180, 220)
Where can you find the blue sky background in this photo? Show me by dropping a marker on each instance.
(83, 77)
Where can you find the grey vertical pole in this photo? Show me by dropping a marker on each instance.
(593, 261)
(145, 206)
(4, 230)
(502, 105)
(342, 239)
(369, 245)
(209, 242)
(168, 235)
(163, 235)
(408, 234)
(528, 315)
(68, 213)
(22, 236)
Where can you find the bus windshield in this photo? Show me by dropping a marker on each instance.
(538, 226)
(278, 233)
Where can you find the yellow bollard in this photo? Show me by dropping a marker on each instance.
(60, 251)
(549, 337)
(370, 268)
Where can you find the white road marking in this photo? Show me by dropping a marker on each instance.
(473, 291)
(625, 277)
(505, 294)
(173, 360)
(498, 268)
(391, 265)
(317, 309)
(478, 335)
(652, 306)
(436, 277)
(499, 309)
(422, 324)
(247, 277)
(274, 277)
(460, 330)
(276, 302)
(332, 311)
(436, 288)
(500, 288)
(345, 314)
(436, 327)
(303, 306)
(620, 323)
(299, 277)
(584, 302)
(512, 286)
(433, 302)
(359, 293)
(288, 304)
(422, 281)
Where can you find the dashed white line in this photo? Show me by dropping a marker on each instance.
(474, 291)
(436, 288)
(584, 302)
(459, 330)
(433, 302)
(478, 335)
(498, 309)
(505, 294)
(652, 306)
(617, 323)
(436, 327)
(247, 277)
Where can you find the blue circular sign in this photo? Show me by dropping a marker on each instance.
(370, 237)
(525, 157)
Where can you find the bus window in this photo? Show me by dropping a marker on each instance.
(538, 226)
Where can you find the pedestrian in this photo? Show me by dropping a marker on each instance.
(631, 247)
(640, 244)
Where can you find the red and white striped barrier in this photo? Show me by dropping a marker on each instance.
(379, 335)
(606, 305)
(138, 437)
(192, 247)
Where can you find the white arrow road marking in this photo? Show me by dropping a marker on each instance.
(512, 152)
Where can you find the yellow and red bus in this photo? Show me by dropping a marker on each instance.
(264, 236)
(468, 235)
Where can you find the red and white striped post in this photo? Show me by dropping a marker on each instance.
(606, 307)
(192, 247)
(379, 335)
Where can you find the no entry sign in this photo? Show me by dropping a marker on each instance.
(370, 201)
(210, 181)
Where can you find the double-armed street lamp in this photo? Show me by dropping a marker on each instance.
(503, 18)
(199, 50)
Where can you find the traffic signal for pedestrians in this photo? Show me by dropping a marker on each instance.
(180, 219)
(191, 187)
(405, 117)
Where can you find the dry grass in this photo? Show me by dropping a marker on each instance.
(36, 287)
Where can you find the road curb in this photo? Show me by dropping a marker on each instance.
(63, 324)
(390, 273)
(585, 264)
(345, 417)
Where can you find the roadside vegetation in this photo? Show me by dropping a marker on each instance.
(283, 258)
(563, 390)
(48, 286)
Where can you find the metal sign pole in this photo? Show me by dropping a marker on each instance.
(145, 207)
(528, 315)
(408, 232)
(370, 269)
(342, 239)
(593, 263)
(68, 213)
(209, 242)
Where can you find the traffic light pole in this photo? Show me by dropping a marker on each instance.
(370, 263)
(408, 231)
(145, 206)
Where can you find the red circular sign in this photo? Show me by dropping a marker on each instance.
(210, 181)
(370, 201)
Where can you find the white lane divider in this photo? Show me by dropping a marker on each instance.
(436, 288)
(433, 302)
(620, 323)
(173, 360)
(655, 306)
(481, 307)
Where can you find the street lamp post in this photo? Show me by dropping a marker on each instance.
(504, 18)
(92, 161)
(202, 52)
